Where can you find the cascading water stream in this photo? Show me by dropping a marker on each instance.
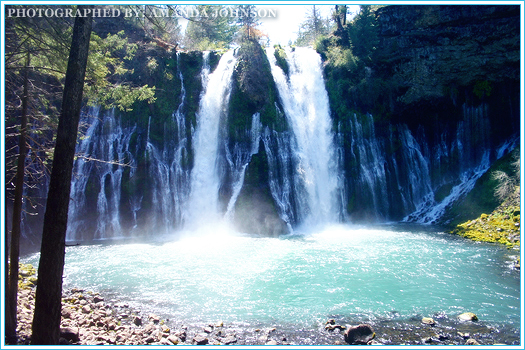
(305, 103)
(367, 149)
(111, 154)
(82, 169)
(180, 179)
(239, 160)
(205, 182)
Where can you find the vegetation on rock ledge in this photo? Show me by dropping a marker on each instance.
(503, 224)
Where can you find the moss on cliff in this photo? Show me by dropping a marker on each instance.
(253, 90)
(502, 225)
(482, 198)
(280, 58)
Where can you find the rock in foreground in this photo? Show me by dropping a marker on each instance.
(359, 335)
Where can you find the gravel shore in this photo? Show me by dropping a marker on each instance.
(88, 319)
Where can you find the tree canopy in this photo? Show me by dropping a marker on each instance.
(313, 27)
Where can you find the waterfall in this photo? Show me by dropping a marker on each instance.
(367, 150)
(414, 182)
(179, 182)
(108, 154)
(430, 212)
(205, 182)
(280, 164)
(155, 174)
(305, 103)
(81, 172)
(239, 160)
(474, 151)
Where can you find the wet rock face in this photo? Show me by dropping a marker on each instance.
(252, 74)
(433, 49)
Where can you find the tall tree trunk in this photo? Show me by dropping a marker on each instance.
(12, 290)
(337, 17)
(46, 321)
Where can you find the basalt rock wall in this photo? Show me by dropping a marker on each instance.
(432, 51)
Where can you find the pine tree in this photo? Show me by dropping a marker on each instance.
(314, 26)
(48, 300)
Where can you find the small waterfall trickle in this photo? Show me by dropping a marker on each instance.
(239, 160)
(280, 168)
(81, 172)
(411, 170)
(205, 182)
(367, 151)
(179, 182)
(305, 103)
(475, 154)
(109, 155)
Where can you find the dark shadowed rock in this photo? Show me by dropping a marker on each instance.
(70, 333)
(359, 335)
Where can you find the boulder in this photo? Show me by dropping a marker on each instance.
(359, 335)
(137, 321)
(230, 339)
(200, 339)
(174, 340)
(428, 320)
(70, 333)
(154, 318)
(98, 299)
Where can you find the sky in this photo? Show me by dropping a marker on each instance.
(284, 26)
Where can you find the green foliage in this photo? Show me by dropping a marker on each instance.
(364, 35)
(280, 57)
(321, 45)
(349, 68)
(341, 58)
(482, 89)
(313, 27)
(106, 67)
(482, 198)
(247, 21)
(210, 32)
(507, 181)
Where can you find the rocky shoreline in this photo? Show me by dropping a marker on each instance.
(89, 319)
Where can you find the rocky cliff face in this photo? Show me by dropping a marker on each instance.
(432, 51)
(437, 95)
(254, 110)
